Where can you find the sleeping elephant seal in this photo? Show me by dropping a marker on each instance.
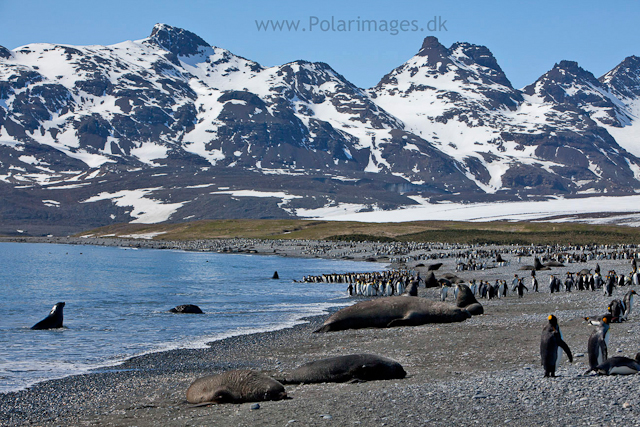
(187, 308)
(354, 367)
(53, 320)
(467, 301)
(235, 387)
(393, 311)
(434, 267)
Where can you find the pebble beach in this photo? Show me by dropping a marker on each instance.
(484, 371)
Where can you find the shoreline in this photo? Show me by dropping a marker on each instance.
(113, 365)
(467, 379)
(484, 371)
(368, 251)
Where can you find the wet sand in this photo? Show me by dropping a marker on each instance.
(484, 371)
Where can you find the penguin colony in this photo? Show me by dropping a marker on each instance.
(406, 281)
(552, 344)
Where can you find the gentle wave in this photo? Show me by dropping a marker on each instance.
(117, 303)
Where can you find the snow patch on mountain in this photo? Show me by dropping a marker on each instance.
(144, 210)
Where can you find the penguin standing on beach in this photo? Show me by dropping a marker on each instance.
(598, 341)
(521, 288)
(627, 301)
(611, 283)
(616, 308)
(551, 347)
(443, 292)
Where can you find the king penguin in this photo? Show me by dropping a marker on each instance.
(551, 347)
(618, 366)
(598, 341)
(627, 301)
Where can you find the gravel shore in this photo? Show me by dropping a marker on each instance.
(484, 371)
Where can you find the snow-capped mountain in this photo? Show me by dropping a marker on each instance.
(548, 138)
(172, 128)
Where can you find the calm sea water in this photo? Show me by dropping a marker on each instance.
(117, 301)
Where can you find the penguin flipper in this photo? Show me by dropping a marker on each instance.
(563, 345)
(603, 349)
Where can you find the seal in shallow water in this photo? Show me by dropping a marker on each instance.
(235, 387)
(186, 308)
(53, 320)
(354, 367)
(393, 311)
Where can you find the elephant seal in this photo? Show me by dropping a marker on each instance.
(467, 301)
(430, 281)
(354, 367)
(393, 311)
(412, 289)
(235, 387)
(53, 320)
(434, 267)
(537, 266)
(452, 278)
(186, 308)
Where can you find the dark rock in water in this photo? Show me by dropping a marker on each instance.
(187, 308)
(275, 275)
(53, 320)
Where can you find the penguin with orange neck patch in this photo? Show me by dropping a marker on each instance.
(551, 347)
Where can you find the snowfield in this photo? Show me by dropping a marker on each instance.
(623, 210)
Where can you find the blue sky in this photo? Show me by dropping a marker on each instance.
(527, 38)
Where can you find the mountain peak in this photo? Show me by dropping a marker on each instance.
(430, 42)
(571, 66)
(432, 48)
(5, 53)
(624, 79)
(177, 40)
(563, 74)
